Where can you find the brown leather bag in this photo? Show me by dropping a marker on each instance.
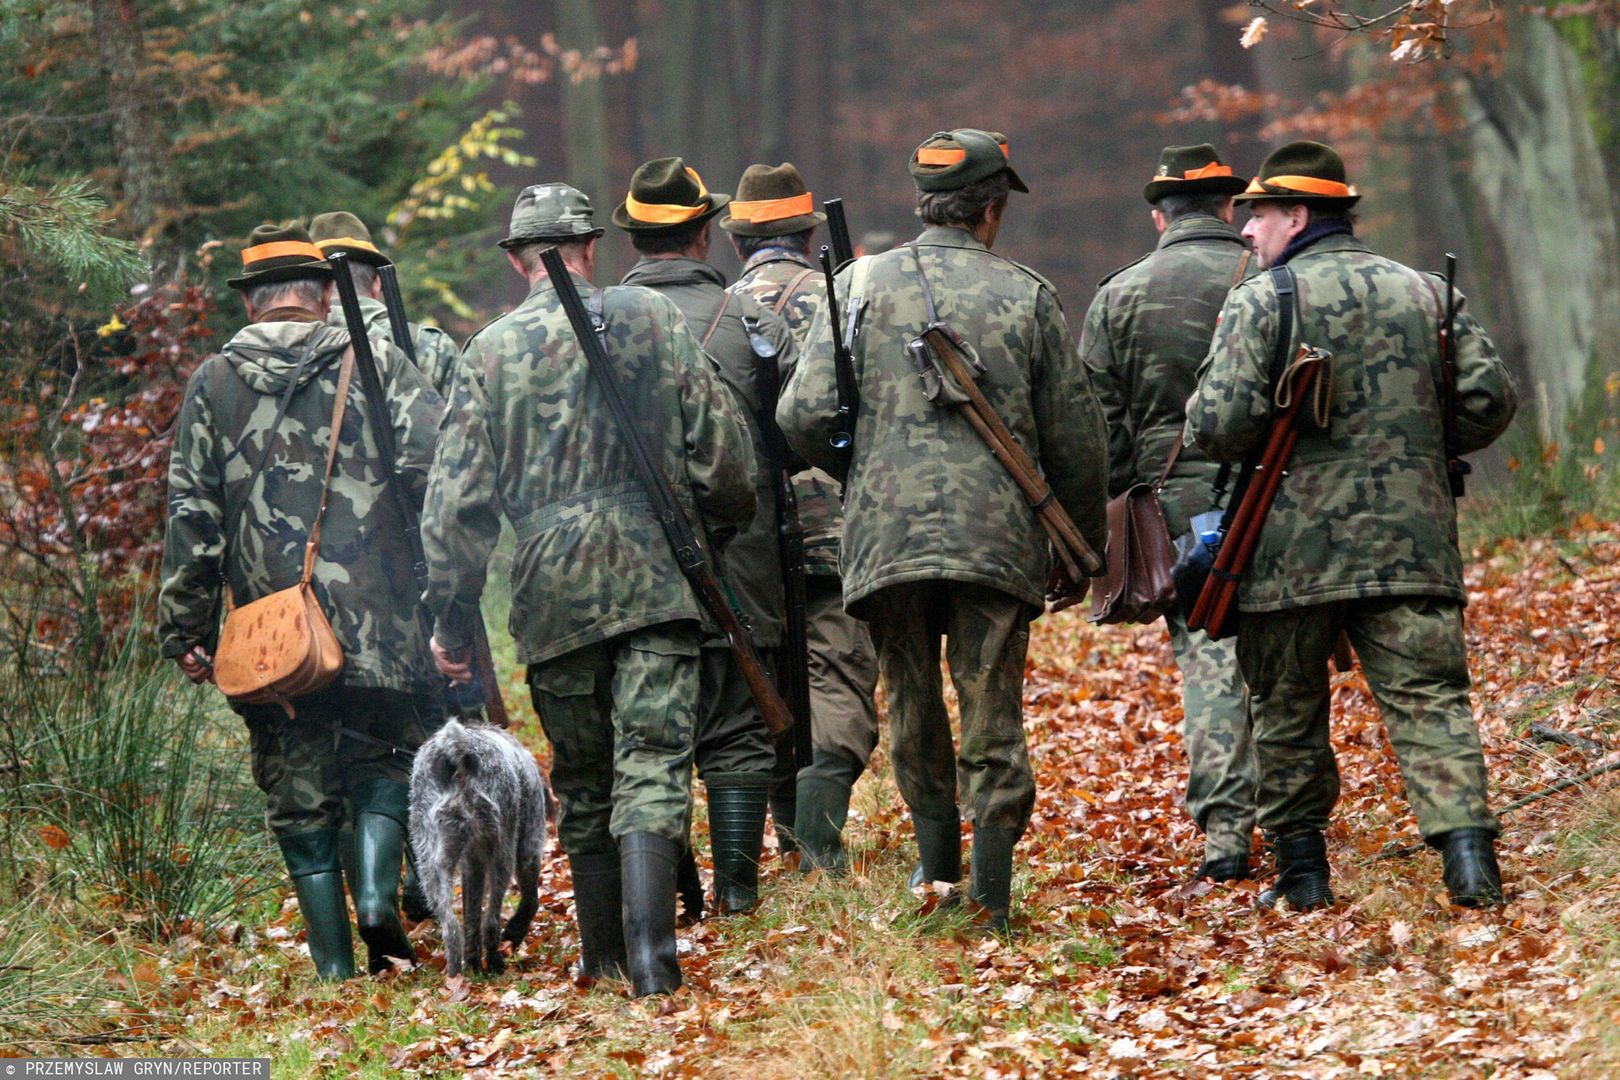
(281, 646)
(1137, 586)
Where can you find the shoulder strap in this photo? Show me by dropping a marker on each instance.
(269, 440)
(1243, 264)
(715, 324)
(345, 375)
(791, 290)
(922, 279)
(1283, 278)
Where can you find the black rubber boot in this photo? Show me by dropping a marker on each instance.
(1225, 868)
(823, 809)
(785, 820)
(647, 868)
(1472, 877)
(991, 883)
(312, 863)
(689, 887)
(1302, 872)
(736, 833)
(380, 808)
(599, 911)
(939, 850)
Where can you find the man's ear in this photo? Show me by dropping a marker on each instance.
(518, 266)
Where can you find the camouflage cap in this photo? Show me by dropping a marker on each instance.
(553, 212)
(1303, 172)
(339, 230)
(948, 160)
(280, 253)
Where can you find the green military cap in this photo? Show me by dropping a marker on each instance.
(1191, 170)
(339, 230)
(1303, 172)
(771, 201)
(553, 212)
(280, 253)
(665, 193)
(948, 160)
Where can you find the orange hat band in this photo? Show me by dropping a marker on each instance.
(1213, 169)
(668, 213)
(762, 210)
(280, 249)
(936, 155)
(1331, 189)
(348, 242)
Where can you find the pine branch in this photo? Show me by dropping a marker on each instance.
(66, 225)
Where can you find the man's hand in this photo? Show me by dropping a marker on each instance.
(453, 667)
(197, 665)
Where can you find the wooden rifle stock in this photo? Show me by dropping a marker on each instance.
(689, 554)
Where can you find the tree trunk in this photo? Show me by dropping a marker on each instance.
(584, 108)
(138, 141)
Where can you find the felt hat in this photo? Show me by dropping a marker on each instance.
(1303, 172)
(1191, 170)
(340, 230)
(948, 160)
(280, 253)
(553, 212)
(665, 194)
(771, 201)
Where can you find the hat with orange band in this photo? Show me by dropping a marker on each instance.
(1192, 170)
(665, 194)
(772, 201)
(339, 230)
(280, 253)
(948, 160)
(1303, 172)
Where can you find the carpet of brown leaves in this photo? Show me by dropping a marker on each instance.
(1120, 965)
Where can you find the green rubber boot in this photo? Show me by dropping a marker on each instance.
(785, 820)
(939, 850)
(312, 863)
(736, 834)
(991, 883)
(823, 809)
(598, 909)
(380, 811)
(647, 876)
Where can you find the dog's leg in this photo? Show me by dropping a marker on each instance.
(438, 879)
(500, 878)
(472, 904)
(530, 849)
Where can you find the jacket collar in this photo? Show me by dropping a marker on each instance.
(948, 236)
(677, 271)
(1332, 242)
(777, 254)
(1198, 227)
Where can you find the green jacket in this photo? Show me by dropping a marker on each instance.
(1364, 508)
(528, 435)
(436, 350)
(362, 575)
(924, 499)
(751, 563)
(1146, 333)
(764, 277)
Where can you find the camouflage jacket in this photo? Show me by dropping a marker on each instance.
(821, 512)
(529, 435)
(924, 499)
(436, 350)
(362, 573)
(751, 563)
(1364, 508)
(1146, 333)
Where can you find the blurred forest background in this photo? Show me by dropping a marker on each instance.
(140, 141)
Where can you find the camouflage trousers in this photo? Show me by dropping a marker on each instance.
(620, 715)
(1221, 770)
(733, 745)
(307, 771)
(843, 683)
(1413, 654)
(986, 636)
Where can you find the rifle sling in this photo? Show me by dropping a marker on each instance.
(791, 290)
(1282, 277)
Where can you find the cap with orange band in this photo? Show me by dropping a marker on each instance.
(1304, 172)
(665, 193)
(280, 253)
(949, 160)
(1191, 170)
(772, 200)
(339, 230)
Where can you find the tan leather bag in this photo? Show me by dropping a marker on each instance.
(281, 646)
(1137, 586)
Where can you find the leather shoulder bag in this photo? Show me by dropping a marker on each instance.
(1137, 587)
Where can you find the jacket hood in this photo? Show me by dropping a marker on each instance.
(266, 354)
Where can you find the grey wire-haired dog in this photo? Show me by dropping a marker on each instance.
(478, 802)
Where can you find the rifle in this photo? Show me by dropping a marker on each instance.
(838, 233)
(483, 662)
(942, 358)
(1302, 381)
(842, 439)
(689, 554)
(383, 431)
(1456, 468)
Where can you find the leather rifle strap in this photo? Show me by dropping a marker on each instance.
(791, 290)
(345, 375)
(715, 325)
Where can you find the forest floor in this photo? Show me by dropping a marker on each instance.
(1119, 966)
